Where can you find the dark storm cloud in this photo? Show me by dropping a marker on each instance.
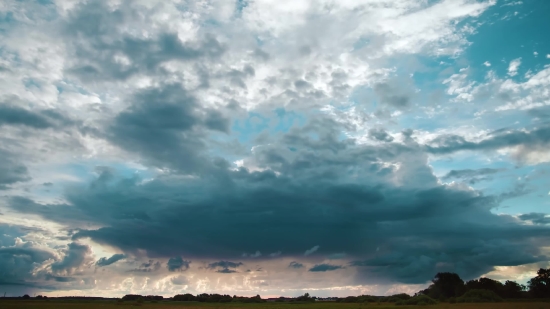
(147, 267)
(13, 115)
(324, 267)
(224, 267)
(11, 170)
(380, 135)
(108, 261)
(177, 264)
(95, 37)
(60, 279)
(224, 264)
(75, 257)
(535, 217)
(48, 211)
(326, 192)
(416, 264)
(17, 263)
(295, 265)
(444, 144)
(37, 119)
(166, 126)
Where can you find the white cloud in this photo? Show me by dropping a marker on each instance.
(535, 53)
(460, 86)
(513, 67)
(311, 251)
(487, 63)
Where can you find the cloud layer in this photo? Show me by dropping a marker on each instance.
(362, 147)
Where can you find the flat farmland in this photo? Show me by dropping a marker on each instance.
(19, 304)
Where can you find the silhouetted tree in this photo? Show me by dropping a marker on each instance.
(184, 297)
(26, 296)
(539, 286)
(512, 289)
(484, 284)
(305, 297)
(132, 297)
(445, 285)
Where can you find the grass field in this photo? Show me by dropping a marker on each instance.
(8, 304)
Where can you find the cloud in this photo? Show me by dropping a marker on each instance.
(393, 94)
(311, 251)
(337, 256)
(324, 267)
(253, 255)
(13, 115)
(164, 98)
(224, 264)
(124, 55)
(468, 173)
(108, 261)
(514, 66)
(472, 176)
(528, 140)
(177, 264)
(164, 126)
(147, 267)
(409, 267)
(224, 267)
(308, 193)
(18, 262)
(536, 218)
(487, 63)
(179, 280)
(76, 256)
(380, 135)
(11, 170)
(60, 279)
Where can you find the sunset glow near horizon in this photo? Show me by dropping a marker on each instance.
(271, 147)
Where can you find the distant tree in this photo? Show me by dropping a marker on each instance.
(512, 289)
(444, 286)
(484, 284)
(305, 297)
(130, 297)
(26, 296)
(539, 286)
(184, 297)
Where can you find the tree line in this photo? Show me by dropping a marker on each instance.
(445, 286)
(449, 285)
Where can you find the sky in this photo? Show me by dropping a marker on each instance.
(271, 147)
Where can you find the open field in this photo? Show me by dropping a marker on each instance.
(195, 305)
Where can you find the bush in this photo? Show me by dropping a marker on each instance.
(420, 300)
(479, 296)
(397, 298)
